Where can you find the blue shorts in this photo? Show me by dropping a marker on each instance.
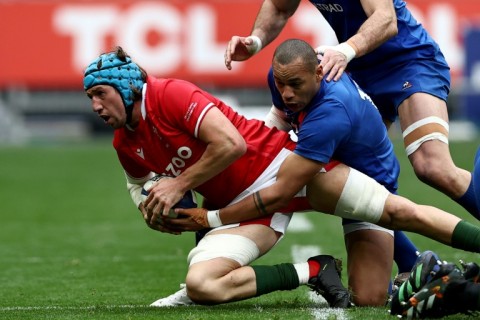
(390, 86)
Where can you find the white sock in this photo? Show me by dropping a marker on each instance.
(303, 272)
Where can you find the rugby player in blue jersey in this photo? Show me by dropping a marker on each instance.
(397, 63)
(337, 120)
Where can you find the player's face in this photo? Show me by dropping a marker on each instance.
(108, 104)
(296, 84)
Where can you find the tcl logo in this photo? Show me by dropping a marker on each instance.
(186, 37)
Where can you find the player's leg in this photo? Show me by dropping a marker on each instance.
(424, 122)
(416, 92)
(369, 263)
(325, 191)
(404, 252)
(218, 269)
(348, 193)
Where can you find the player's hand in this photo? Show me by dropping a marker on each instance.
(239, 49)
(333, 62)
(161, 198)
(188, 220)
(158, 224)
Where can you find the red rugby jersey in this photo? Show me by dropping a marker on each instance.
(166, 139)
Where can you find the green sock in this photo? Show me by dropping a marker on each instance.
(278, 277)
(466, 236)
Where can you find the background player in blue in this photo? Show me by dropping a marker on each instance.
(393, 58)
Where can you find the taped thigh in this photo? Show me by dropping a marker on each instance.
(235, 247)
(430, 128)
(362, 198)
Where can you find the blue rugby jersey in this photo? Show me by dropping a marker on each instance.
(342, 123)
(411, 42)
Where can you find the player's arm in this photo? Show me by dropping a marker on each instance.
(224, 145)
(294, 173)
(134, 187)
(380, 26)
(271, 19)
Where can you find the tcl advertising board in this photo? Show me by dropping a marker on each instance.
(47, 44)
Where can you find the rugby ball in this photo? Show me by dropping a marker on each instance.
(189, 199)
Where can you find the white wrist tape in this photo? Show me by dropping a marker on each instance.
(276, 118)
(256, 46)
(346, 49)
(135, 185)
(213, 218)
(135, 192)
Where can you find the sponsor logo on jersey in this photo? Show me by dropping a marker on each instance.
(139, 152)
(406, 85)
(190, 110)
(329, 7)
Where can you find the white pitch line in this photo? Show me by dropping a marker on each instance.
(125, 306)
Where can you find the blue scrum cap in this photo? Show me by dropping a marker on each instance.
(110, 70)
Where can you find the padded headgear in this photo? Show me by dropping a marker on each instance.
(109, 69)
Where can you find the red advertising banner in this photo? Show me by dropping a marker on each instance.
(47, 44)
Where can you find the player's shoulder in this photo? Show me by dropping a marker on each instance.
(169, 84)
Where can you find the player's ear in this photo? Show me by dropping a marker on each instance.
(319, 72)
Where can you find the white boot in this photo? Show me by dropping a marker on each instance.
(179, 298)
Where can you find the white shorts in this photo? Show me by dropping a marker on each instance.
(278, 221)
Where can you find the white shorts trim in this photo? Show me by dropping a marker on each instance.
(356, 226)
(279, 221)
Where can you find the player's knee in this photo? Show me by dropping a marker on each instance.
(371, 294)
(200, 288)
(370, 298)
(402, 213)
(429, 169)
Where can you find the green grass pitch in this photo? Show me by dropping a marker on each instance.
(72, 245)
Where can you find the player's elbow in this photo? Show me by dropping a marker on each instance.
(391, 29)
(278, 198)
(237, 148)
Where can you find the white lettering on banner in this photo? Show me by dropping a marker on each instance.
(188, 38)
(88, 32)
(90, 25)
(144, 17)
(204, 54)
